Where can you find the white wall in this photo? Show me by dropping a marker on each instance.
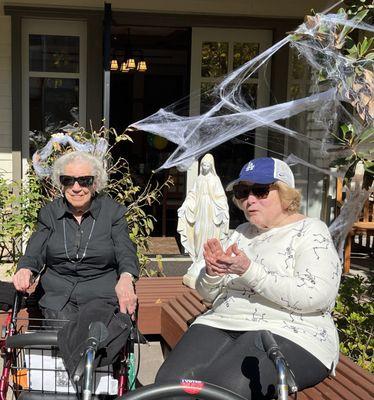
(5, 98)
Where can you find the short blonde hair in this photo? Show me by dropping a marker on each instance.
(290, 198)
(98, 170)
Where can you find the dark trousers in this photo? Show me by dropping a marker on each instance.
(237, 362)
(58, 318)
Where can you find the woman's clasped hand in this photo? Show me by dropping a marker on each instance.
(220, 262)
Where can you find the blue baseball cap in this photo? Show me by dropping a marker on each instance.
(264, 171)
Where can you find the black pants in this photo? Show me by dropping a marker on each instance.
(237, 362)
(57, 318)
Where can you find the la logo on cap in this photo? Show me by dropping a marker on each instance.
(250, 166)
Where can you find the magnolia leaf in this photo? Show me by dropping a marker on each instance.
(367, 134)
(369, 166)
(365, 45)
(150, 224)
(345, 128)
(347, 29)
(123, 137)
(135, 230)
(353, 50)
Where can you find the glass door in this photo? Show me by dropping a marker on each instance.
(215, 53)
(54, 80)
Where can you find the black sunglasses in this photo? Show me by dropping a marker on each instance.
(243, 191)
(84, 181)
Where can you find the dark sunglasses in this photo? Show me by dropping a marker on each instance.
(243, 191)
(84, 181)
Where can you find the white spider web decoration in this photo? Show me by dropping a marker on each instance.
(231, 115)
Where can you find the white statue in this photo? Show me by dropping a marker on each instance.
(203, 215)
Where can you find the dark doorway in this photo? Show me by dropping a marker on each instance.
(135, 95)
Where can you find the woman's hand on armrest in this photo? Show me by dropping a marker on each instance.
(23, 279)
(127, 299)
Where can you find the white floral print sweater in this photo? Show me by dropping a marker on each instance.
(289, 288)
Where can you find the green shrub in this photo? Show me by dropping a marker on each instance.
(354, 318)
(19, 206)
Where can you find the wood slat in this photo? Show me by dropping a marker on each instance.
(180, 310)
(300, 396)
(159, 279)
(356, 375)
(313, 393)
(196, 295)
(162, 290)
(191, 307)
(339, 389)
(320, 391)
(172, 326)
(345, 362)
(196, 303)
(149, 319)
(352, 387)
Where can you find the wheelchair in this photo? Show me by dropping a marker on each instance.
(33, 367)
(32, 363)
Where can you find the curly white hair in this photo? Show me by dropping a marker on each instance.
(98, 170)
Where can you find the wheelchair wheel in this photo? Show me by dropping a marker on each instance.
(186, 388)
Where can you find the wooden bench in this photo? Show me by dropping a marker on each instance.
(167, 307)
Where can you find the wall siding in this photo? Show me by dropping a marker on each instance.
(5, 98)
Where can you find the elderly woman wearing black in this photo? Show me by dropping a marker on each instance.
(82, 242)
(280, 272)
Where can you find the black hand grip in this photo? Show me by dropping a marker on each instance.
(97, 333)
(270, 345)
(32, 339)
(272, 350)
(268, 341)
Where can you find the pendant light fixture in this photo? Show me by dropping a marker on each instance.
(114, 64)
(142, 66)
(124, 67)
(129, 63)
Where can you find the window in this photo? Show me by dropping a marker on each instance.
(54, 79)
(216, 52)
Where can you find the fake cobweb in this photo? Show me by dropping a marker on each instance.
(231, 117)
(318, 41)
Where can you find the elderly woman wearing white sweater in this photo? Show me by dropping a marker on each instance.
(280, 272)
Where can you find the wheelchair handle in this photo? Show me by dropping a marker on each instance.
(97, 333)
(286, 378)
(87, 386)
(32, 339)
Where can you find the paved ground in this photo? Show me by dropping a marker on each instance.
(151, 359)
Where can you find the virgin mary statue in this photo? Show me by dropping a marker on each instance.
(203, 215)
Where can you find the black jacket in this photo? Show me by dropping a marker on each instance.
(60, 242)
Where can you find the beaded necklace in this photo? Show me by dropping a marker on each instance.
(85, 248)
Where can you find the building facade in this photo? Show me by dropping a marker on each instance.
(52, 73)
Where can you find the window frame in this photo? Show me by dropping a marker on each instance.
(58, 27)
